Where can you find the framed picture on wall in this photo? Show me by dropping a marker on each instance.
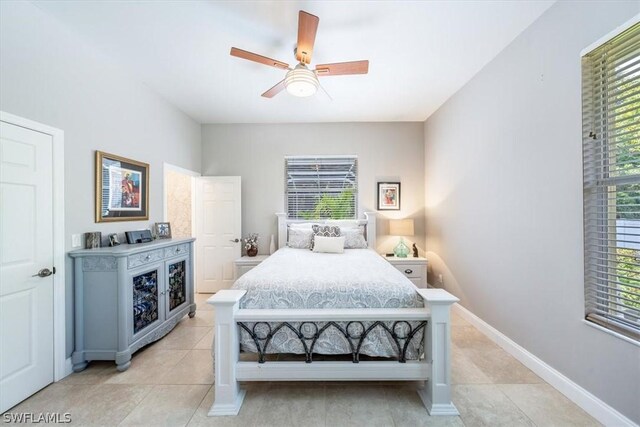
(122, 188)
(388, 196)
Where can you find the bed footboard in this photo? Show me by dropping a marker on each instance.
(432, 322)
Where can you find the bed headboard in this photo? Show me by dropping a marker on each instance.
(369, 223)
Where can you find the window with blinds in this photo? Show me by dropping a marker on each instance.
(611, 156)
(321, 187)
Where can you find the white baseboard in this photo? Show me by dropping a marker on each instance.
(581, 397)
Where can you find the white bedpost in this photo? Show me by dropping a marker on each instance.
(282, 230)
(228, 396)
(436, 395)
(372, 230)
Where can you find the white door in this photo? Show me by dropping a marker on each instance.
(26, 248)
(218, 231)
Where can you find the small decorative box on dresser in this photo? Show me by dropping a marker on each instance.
(128, 296)
(246, 263)
(414, 268)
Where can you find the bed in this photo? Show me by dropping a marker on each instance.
(302, 279)
(325, 304)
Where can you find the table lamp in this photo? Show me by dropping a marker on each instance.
(401, 227)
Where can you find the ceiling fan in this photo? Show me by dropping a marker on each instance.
(300, 80)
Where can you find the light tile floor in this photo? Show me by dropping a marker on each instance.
(170, 382)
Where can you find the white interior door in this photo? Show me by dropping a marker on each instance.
(26, 248)
(218, 231)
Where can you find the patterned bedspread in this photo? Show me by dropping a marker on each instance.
(300, 278)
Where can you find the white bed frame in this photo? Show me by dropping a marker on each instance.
(434, 368)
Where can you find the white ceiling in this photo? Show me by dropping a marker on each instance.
(420, 53)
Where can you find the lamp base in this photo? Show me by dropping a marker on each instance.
(401, 250)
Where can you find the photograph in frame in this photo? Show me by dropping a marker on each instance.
(388, 196)
(122, 188)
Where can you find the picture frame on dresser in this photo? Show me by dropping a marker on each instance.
(122, 188)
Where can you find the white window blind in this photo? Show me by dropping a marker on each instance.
(321, 187)
(611, 156)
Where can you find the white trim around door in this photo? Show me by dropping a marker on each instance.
(60, 365)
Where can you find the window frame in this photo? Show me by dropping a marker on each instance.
(356, 201)
(597, 189)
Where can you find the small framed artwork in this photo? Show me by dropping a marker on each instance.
(92, 240)
(138, 236)
(163, 230)
(113, 240)
(388, 196)
(122, 188)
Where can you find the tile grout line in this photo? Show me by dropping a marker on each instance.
(517, 406)
(138, 404)
(198, 407)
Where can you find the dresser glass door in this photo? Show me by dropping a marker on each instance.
(177, 284)
(145, 300)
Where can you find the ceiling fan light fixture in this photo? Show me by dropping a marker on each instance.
(301, 81)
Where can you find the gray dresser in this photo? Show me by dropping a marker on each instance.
(128, 296)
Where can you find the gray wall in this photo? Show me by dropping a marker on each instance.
(386, 151)
(504, 200)
(48, 74)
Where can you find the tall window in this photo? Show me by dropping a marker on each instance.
(321, 187)
(611, 156)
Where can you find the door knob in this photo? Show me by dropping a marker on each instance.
(45, 272)
(235, 240)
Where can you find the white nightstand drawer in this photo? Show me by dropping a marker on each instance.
(415, 269)
(241, 269)
(411, 270)
(245, 264)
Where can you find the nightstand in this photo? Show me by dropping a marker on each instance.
(246, 263)
(414, 268)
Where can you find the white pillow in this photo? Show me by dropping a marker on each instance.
(343, 223)
(329, 245)
(300, 238)
(353, 238)
(301, 225)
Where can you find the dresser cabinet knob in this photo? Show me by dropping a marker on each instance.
(408, 271)
(147, 258)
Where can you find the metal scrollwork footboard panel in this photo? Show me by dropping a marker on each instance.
(402, 340)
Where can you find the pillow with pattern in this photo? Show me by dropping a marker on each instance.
(324, 230)
(353, 238)
(300, 238)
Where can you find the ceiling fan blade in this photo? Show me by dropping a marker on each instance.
(307, 28)
(258, 58)
(274, 90)
(343, 68)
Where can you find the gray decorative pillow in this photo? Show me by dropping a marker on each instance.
(300, 238)
(353, 238)
(324, 230)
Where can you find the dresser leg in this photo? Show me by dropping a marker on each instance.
(79, 362)
(192, 311)
(123, 360)
(78, 367)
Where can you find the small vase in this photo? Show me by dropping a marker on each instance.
(252, 251)
(272, 246)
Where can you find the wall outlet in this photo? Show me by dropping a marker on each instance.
(440, 280)
(76, 240)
